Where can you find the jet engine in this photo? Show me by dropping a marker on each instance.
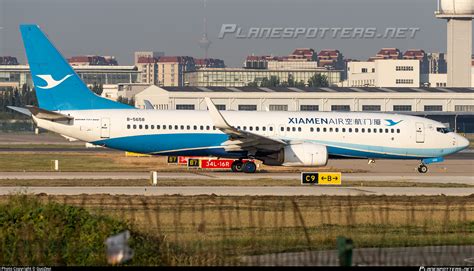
(297, 155)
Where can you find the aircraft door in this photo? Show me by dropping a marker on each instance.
(105, 128)
(420, 132)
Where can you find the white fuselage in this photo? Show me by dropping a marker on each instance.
(368, 135)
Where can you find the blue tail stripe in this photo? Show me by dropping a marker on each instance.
(57, 85)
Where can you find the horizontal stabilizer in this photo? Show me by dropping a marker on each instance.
(21, 110)
(41, 113)
(47, 115)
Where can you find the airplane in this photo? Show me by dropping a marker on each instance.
(68, 107)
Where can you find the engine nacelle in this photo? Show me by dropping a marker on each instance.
(299, 154)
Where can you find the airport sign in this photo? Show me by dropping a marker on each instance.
(172, 159)
(216, 163)
(194, 162)
(321, 178)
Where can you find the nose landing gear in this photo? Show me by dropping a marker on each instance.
(422, 168)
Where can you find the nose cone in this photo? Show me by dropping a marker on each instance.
(463, 142)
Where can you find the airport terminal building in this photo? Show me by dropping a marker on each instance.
(453, 106)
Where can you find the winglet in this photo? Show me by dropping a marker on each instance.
(216, 116)
(148, 104)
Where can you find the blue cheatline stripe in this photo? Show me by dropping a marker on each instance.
(164, 142)
(210, 145)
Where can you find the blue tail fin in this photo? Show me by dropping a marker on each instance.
(57, 85)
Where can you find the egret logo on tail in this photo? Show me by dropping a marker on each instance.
(50, 81)
(392, 122)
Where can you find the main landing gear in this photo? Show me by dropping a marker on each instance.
(247, 167)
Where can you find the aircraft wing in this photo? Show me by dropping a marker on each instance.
(240, 140)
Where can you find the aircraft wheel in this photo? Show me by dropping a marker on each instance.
(237, 166)
(249, 167)
(422, 169)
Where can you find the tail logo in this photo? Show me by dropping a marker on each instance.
(50, 81)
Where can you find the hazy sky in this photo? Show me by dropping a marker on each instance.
(118, 27)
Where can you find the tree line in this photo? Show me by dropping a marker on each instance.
(317, 80)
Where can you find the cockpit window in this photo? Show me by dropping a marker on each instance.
(443, 130)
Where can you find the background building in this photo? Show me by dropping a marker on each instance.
(383, 73)
(148, 68)
(437, 63)
(240, 77)
(452, 106)
(147, 54)
(459, 15)
(420, 55)
(18, 75)
(171, 70)
(208, 63)
(93, 60)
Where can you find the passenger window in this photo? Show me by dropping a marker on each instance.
(311, 129)
(213, 127)
(176, 127)
(244, 128)
(146, 127)
(201, 127)
(324, 129)
(392, 131)
(271, 129)
(128, 126)
(287, 129)
(330, 129)
(299, 129)
(152, 127)
(164, 127)
(343, 130)
(337, 130)
(188, 127)
(356, 130)
(170, 127)
(195, 127)
(282, 129)
(375, 131)
(140, 126)
(256, 128)
(158, 127)
(182, 127)
(207, 127)
(369, 130)
(318, 129)
(264, 128)
(398, 131)
(363, 130)
(350, 130)
(386, 131)
(134, 126)
(293, 129)
(250, 128)
(380, 130)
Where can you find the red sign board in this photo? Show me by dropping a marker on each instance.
(216, 163)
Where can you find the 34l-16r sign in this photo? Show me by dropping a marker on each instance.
(216, 163)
